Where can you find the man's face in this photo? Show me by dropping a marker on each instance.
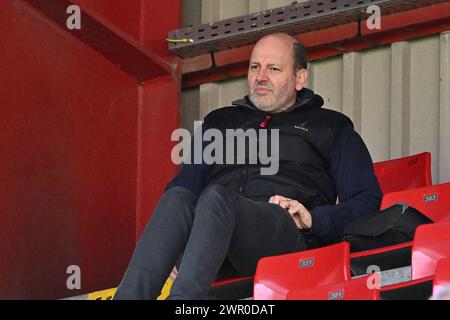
(272, 83)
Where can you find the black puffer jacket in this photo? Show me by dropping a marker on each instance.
(306, 136)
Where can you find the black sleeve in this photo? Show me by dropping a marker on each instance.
(359, 193)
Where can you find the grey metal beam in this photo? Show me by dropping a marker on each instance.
(293, 19)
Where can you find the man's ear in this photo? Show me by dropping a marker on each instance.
(301, 77)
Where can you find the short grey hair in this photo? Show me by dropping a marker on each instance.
(300, 57)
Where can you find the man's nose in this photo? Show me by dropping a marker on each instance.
(262, 75)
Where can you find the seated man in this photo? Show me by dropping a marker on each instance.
(221, 218)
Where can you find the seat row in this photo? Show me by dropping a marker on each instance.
(408, 180)
(325, 273)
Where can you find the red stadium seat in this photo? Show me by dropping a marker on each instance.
(432, 201)
(276, 276)
(355, 289)
(404, 173)
(431, 244)
(441, 280)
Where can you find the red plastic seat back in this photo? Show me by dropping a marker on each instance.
(276, 276)
(404, 173)
(431, 244)
(441, 280)
(355, 289)
(433, 201)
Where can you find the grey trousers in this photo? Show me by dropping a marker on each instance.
(218, 232)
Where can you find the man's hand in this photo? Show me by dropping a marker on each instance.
(301, 215)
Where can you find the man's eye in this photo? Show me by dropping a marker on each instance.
(253, 67)
(274, 69)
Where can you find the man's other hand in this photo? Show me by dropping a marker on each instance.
(301, 215)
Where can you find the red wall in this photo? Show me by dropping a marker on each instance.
(80, 142)
(158, 117)
(123, 14)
